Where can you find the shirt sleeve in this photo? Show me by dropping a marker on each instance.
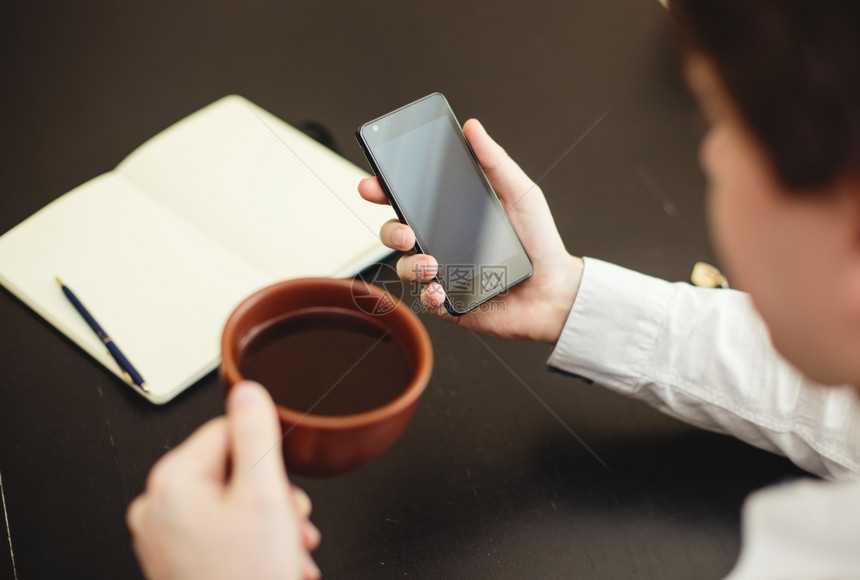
(800, 531)
(704, 356)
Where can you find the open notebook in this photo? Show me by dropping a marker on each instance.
(162, 248)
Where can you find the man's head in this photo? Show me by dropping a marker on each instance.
(780, 83)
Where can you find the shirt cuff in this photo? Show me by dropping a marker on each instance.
(613, 325)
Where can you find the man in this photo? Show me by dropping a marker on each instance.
(780, 84)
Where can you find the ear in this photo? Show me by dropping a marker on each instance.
(849, 190)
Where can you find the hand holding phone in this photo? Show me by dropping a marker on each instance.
(437, 187)
(536, 308)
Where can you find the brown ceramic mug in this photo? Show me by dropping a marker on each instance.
(317, 444)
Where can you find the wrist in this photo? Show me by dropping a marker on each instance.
(561, 294)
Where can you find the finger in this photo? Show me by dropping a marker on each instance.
(433, 296)
(134, 515)
(369, 189)
(507, 178)
(203, 454)
(302, 501)
(255, 438)
(310, 536)
(137, 519)
(310, 571)
(417, 268)
(397, 236)
(433, 300)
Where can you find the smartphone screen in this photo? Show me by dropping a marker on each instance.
(437, 187)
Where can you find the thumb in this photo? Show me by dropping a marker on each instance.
(506, 177)
(255, 437)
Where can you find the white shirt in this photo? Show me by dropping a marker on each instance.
(705, 357)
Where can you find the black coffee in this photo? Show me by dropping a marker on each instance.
(326, 363)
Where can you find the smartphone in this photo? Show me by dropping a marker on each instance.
(437, 187)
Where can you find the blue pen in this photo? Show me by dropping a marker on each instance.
(128, 370)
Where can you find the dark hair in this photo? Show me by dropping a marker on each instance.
(792, 67)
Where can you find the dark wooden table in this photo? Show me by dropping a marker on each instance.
(485, 482)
